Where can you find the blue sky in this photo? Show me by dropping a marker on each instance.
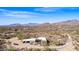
(23, 15)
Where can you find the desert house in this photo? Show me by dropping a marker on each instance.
(26, 43)
(35, 41)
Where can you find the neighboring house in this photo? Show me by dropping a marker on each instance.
(35, 41)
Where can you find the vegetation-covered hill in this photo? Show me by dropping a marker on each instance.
(52, 31)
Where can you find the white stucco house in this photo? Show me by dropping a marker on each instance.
(35, 41)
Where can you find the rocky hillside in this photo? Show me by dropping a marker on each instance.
(54, 32)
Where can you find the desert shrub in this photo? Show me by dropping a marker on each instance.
(24, 49)
(3, 45)
(57, 40)
(28, 36)
(46, 48)
(75, 38)
(3, 29)
(14, 49)
(33, 49)
(21, 35)
(36, 49)
(76, 47)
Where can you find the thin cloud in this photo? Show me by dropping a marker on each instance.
(47, 9)
(19, 14)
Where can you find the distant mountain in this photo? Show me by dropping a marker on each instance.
(32, 24)
(16, 24)
(29, 24)
(69, 22)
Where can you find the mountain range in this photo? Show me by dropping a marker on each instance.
(68, 22)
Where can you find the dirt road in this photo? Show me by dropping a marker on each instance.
(67, 47)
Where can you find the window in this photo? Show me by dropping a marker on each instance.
(27, 41)
(23, 41)
(38, 41)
